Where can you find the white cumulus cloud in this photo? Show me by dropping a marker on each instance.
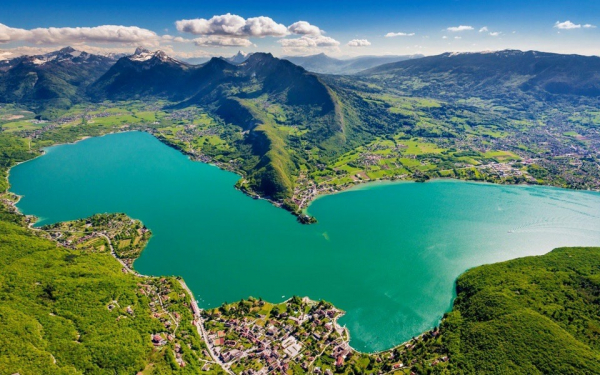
(233, 25)
(588, 26)
(79, 35)
(495, 33)
(309, 41)
(455, 29)
(304, 28)
(483, 29)
(358, 43)
(263, 26)
(392, 35)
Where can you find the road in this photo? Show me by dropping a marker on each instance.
(112, 252)
(202, 331)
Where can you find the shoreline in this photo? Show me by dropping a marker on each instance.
(357, 186)
(373, 184)
(196, 310)
(303, 216)
(302, 211)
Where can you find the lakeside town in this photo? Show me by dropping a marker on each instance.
(301, 336)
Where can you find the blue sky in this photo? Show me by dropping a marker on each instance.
(340, 28)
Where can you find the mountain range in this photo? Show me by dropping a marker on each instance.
(259, 94)
(52, 81)
(236, 93)
(321, 63)
(484, 74)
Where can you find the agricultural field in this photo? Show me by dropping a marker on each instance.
(14, 118)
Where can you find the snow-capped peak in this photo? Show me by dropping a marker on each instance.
(142, 54)
(39, 60)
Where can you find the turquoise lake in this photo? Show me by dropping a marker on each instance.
(386, 253)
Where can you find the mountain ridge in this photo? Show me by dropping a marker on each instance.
(324, 64)
(284, 117)
(544, 72)
(52, 81)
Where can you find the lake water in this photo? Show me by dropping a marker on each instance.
(388, 254)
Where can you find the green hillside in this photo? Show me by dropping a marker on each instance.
(534, 315)
(540, 74)
(256, 96)
(54, 318)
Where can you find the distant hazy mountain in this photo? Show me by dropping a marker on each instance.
(322, 63)
(195, 60)
(489, 74)
(238, 58)
(55, 79)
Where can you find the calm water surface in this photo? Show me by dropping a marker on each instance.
(388, 254)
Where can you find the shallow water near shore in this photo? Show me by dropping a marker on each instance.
(387, 254)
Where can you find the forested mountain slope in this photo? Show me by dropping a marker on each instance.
(534, 315)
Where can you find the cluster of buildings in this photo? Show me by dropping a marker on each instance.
(503, 170)
(85, 233)
(251, 337)
(261, 342)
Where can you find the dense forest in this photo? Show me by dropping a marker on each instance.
(534, 315)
